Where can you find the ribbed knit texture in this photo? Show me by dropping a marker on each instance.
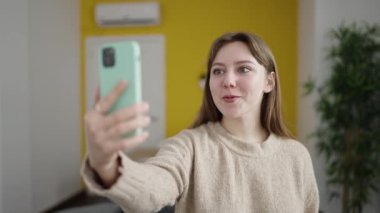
(209, 170)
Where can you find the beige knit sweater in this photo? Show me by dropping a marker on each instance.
(209, 170)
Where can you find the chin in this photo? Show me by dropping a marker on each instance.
(232, 115)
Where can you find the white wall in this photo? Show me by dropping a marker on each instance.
(55, 99)
(316, 18)
(1, 164)
(40, 103)
(15, 115)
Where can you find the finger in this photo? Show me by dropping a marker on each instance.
(104, 105)
(97, 94)
(126, 113)
(120, 129)
(115, 124)
(128, 143)
(123, 144)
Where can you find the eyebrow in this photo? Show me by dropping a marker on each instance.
(245, 61)
(238, 62)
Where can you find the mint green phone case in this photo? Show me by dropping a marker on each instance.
(121, 61)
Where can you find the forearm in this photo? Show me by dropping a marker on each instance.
(155, 183)
(153, 186)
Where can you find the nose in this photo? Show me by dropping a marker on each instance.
(229, 80)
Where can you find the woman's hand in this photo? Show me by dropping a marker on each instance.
(105, 132)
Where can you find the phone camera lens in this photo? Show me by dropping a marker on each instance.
(108, 57)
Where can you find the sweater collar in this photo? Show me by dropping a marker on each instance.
(245, 148)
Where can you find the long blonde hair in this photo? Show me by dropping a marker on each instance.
(271, 116)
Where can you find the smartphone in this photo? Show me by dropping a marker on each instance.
(121, 61)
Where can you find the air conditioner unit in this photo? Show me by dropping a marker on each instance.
(127, 14)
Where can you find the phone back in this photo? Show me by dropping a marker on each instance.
(120, 61)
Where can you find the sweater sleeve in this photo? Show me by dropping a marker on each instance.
(149, 186)
(311, 188)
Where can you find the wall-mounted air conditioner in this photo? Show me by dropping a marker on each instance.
(127, 14)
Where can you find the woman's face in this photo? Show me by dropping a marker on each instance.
(238, 82)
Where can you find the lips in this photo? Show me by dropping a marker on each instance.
(230, 98)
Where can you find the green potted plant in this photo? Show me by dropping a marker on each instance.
(348, 104)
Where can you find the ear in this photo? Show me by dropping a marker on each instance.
(270, 82)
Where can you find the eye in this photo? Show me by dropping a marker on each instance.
(217, 71)
(244, 69)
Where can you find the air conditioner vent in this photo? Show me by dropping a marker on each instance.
(128, 14)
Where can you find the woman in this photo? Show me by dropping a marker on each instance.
(237, 157)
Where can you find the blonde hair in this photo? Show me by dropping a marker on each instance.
(271, 116)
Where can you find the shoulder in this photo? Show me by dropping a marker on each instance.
(293, 148)
(296, 154)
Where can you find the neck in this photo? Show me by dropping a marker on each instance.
(247, 130)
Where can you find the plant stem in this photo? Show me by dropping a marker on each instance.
(346, 162)
(345, 198)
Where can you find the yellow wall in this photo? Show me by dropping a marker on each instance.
(190, 27)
